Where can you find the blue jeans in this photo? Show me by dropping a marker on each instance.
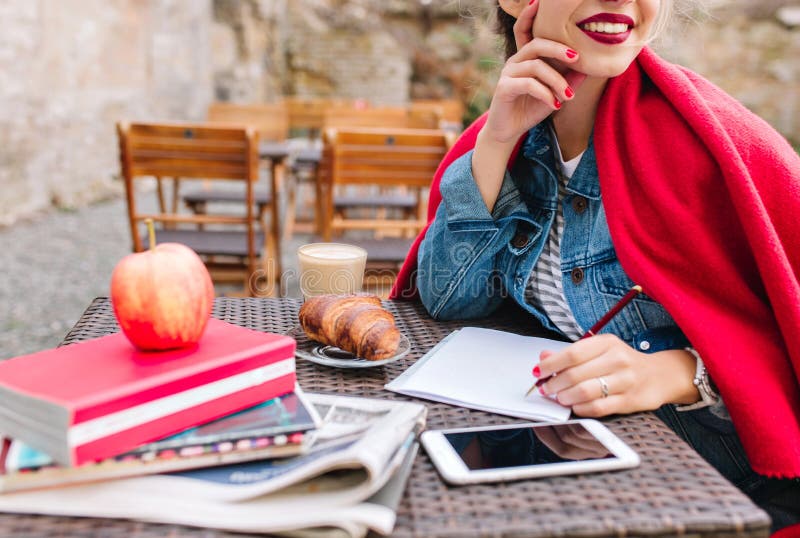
(715, 439)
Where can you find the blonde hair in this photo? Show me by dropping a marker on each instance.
(665, 13)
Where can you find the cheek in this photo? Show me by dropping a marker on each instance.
(544, 25)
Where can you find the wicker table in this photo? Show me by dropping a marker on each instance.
(673, 491)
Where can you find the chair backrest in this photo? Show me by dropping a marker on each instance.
(346, 118)
(181, 151)
(424, 118)
(308, 113)
(381, 157)
(452, 110)
(271, 120)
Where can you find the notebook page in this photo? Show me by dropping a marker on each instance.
(483, 369)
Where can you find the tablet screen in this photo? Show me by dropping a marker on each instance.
(518, 447)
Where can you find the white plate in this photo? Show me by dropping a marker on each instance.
(313, 351)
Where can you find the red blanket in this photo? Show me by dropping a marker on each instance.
(702, 200)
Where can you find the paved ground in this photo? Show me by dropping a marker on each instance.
(54, 265)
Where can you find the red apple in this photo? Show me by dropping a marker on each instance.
(162, 297)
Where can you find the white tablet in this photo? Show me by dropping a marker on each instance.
(518, 451)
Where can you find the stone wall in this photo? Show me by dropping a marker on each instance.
(381, 51)
(387, 51)
(248, 55)
(70, 70)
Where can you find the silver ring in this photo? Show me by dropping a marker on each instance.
(603, 386)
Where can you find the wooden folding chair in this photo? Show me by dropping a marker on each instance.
(311, 116)
(271, 122)
(399, 165)
(388, 117)
(231, 243)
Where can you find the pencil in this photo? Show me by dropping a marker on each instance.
(597, 327)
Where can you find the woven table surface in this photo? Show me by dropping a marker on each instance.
(672, 493)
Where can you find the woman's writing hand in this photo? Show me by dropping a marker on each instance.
(530, 88)
(635, 381)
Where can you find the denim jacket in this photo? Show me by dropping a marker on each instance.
(471, 260)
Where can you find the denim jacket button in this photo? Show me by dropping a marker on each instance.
(577, 275)
(644, 345)
(520, 240)
(579, 204)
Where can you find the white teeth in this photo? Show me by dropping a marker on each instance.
(606, 27)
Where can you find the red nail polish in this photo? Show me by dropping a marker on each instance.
(569, 93)
(571, 54)
(537, 372)
(541, 391)
(531, 2)
(557, 104)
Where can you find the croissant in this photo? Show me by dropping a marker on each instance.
(354, 323)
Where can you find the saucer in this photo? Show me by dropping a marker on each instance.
(313, 351)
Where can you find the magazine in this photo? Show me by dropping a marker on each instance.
(346, 484)
(287, 414)
(279, 428)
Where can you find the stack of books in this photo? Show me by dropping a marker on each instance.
(101, 409)
(99, 429)
(349, 483)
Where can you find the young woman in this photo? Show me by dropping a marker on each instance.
(599, 166)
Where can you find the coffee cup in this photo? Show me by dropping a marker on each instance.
(335, 268)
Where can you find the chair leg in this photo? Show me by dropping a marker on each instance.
(291, 208)
(380, 214)
(270, 266)
(176, 188)
(278, 177)
(274, 268)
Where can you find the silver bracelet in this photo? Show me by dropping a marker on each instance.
(707, 394)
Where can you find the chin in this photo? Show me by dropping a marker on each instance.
(604, 67)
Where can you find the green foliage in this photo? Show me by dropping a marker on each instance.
(476, 106)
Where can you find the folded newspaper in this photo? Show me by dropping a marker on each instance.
(348, 483)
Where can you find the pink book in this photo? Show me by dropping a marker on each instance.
(91, 400)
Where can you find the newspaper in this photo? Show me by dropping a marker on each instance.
(348, 483)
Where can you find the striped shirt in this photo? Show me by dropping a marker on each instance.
(544, 290)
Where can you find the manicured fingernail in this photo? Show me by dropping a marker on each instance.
(537, 372)
(531, 2)
(571, 54)
(569, 93)
(541, 391)
(557, 104)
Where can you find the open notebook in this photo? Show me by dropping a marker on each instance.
(483, 369)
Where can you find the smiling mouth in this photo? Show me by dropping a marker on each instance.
(607, 28)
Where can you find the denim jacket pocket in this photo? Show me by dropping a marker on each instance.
(642, 314)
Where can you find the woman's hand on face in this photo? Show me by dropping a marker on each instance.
(635, 381)
(530, 89)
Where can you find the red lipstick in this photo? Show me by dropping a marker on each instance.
(610, 18)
